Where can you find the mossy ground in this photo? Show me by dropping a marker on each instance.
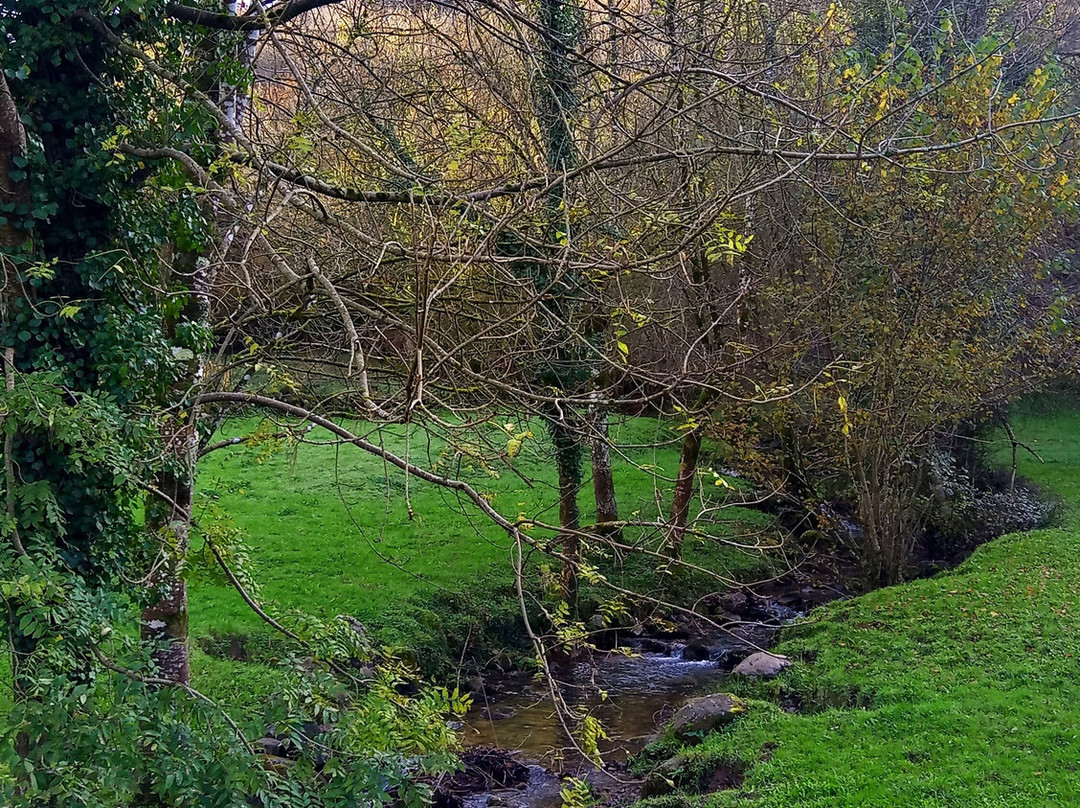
(961, 690)
(330, 533)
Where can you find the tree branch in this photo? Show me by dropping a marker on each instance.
(253, 20)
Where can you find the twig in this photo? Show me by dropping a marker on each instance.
(9, 465)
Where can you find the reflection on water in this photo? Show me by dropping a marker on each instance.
(631, 696)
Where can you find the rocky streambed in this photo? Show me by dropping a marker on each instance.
(517, 752)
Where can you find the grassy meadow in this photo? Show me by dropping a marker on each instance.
(329, 532)
(958, 691)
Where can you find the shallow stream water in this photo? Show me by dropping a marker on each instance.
(630, 696)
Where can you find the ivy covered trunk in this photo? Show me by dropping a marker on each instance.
(568, 462)
(560, 32)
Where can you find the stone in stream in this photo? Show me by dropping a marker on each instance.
(762, 665)
(735, 602)
(705, 714)
(696, 652)
(270, 746)
(649, 645)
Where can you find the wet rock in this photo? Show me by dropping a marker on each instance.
(652, 646)
(270, 746)
(735, 602)
(728, 658)
(762, 665)
(706, 714)
(696, 652)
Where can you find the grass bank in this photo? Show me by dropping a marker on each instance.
(961, 690)
(333, 531)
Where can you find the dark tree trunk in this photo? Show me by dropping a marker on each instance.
(12, 146)
(607, 508)
(684, 492)
(568, 461)
(169, 516)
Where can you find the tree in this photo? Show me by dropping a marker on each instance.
(102, 331)
(555, 218)
(934, 299)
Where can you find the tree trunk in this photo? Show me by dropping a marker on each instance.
(166, 622)
(607, 508)
(568, 457)
(684, 491)
(168, 514)
(13, 146)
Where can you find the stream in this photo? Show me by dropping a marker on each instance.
(632, 695)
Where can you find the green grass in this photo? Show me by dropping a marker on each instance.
(962, 690)
(330, 534)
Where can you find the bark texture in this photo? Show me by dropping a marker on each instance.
(166, 621)
(684, 491)
(607, 508)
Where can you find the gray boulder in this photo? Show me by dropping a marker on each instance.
(762, 665)
(696, 652)
(706, 714)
